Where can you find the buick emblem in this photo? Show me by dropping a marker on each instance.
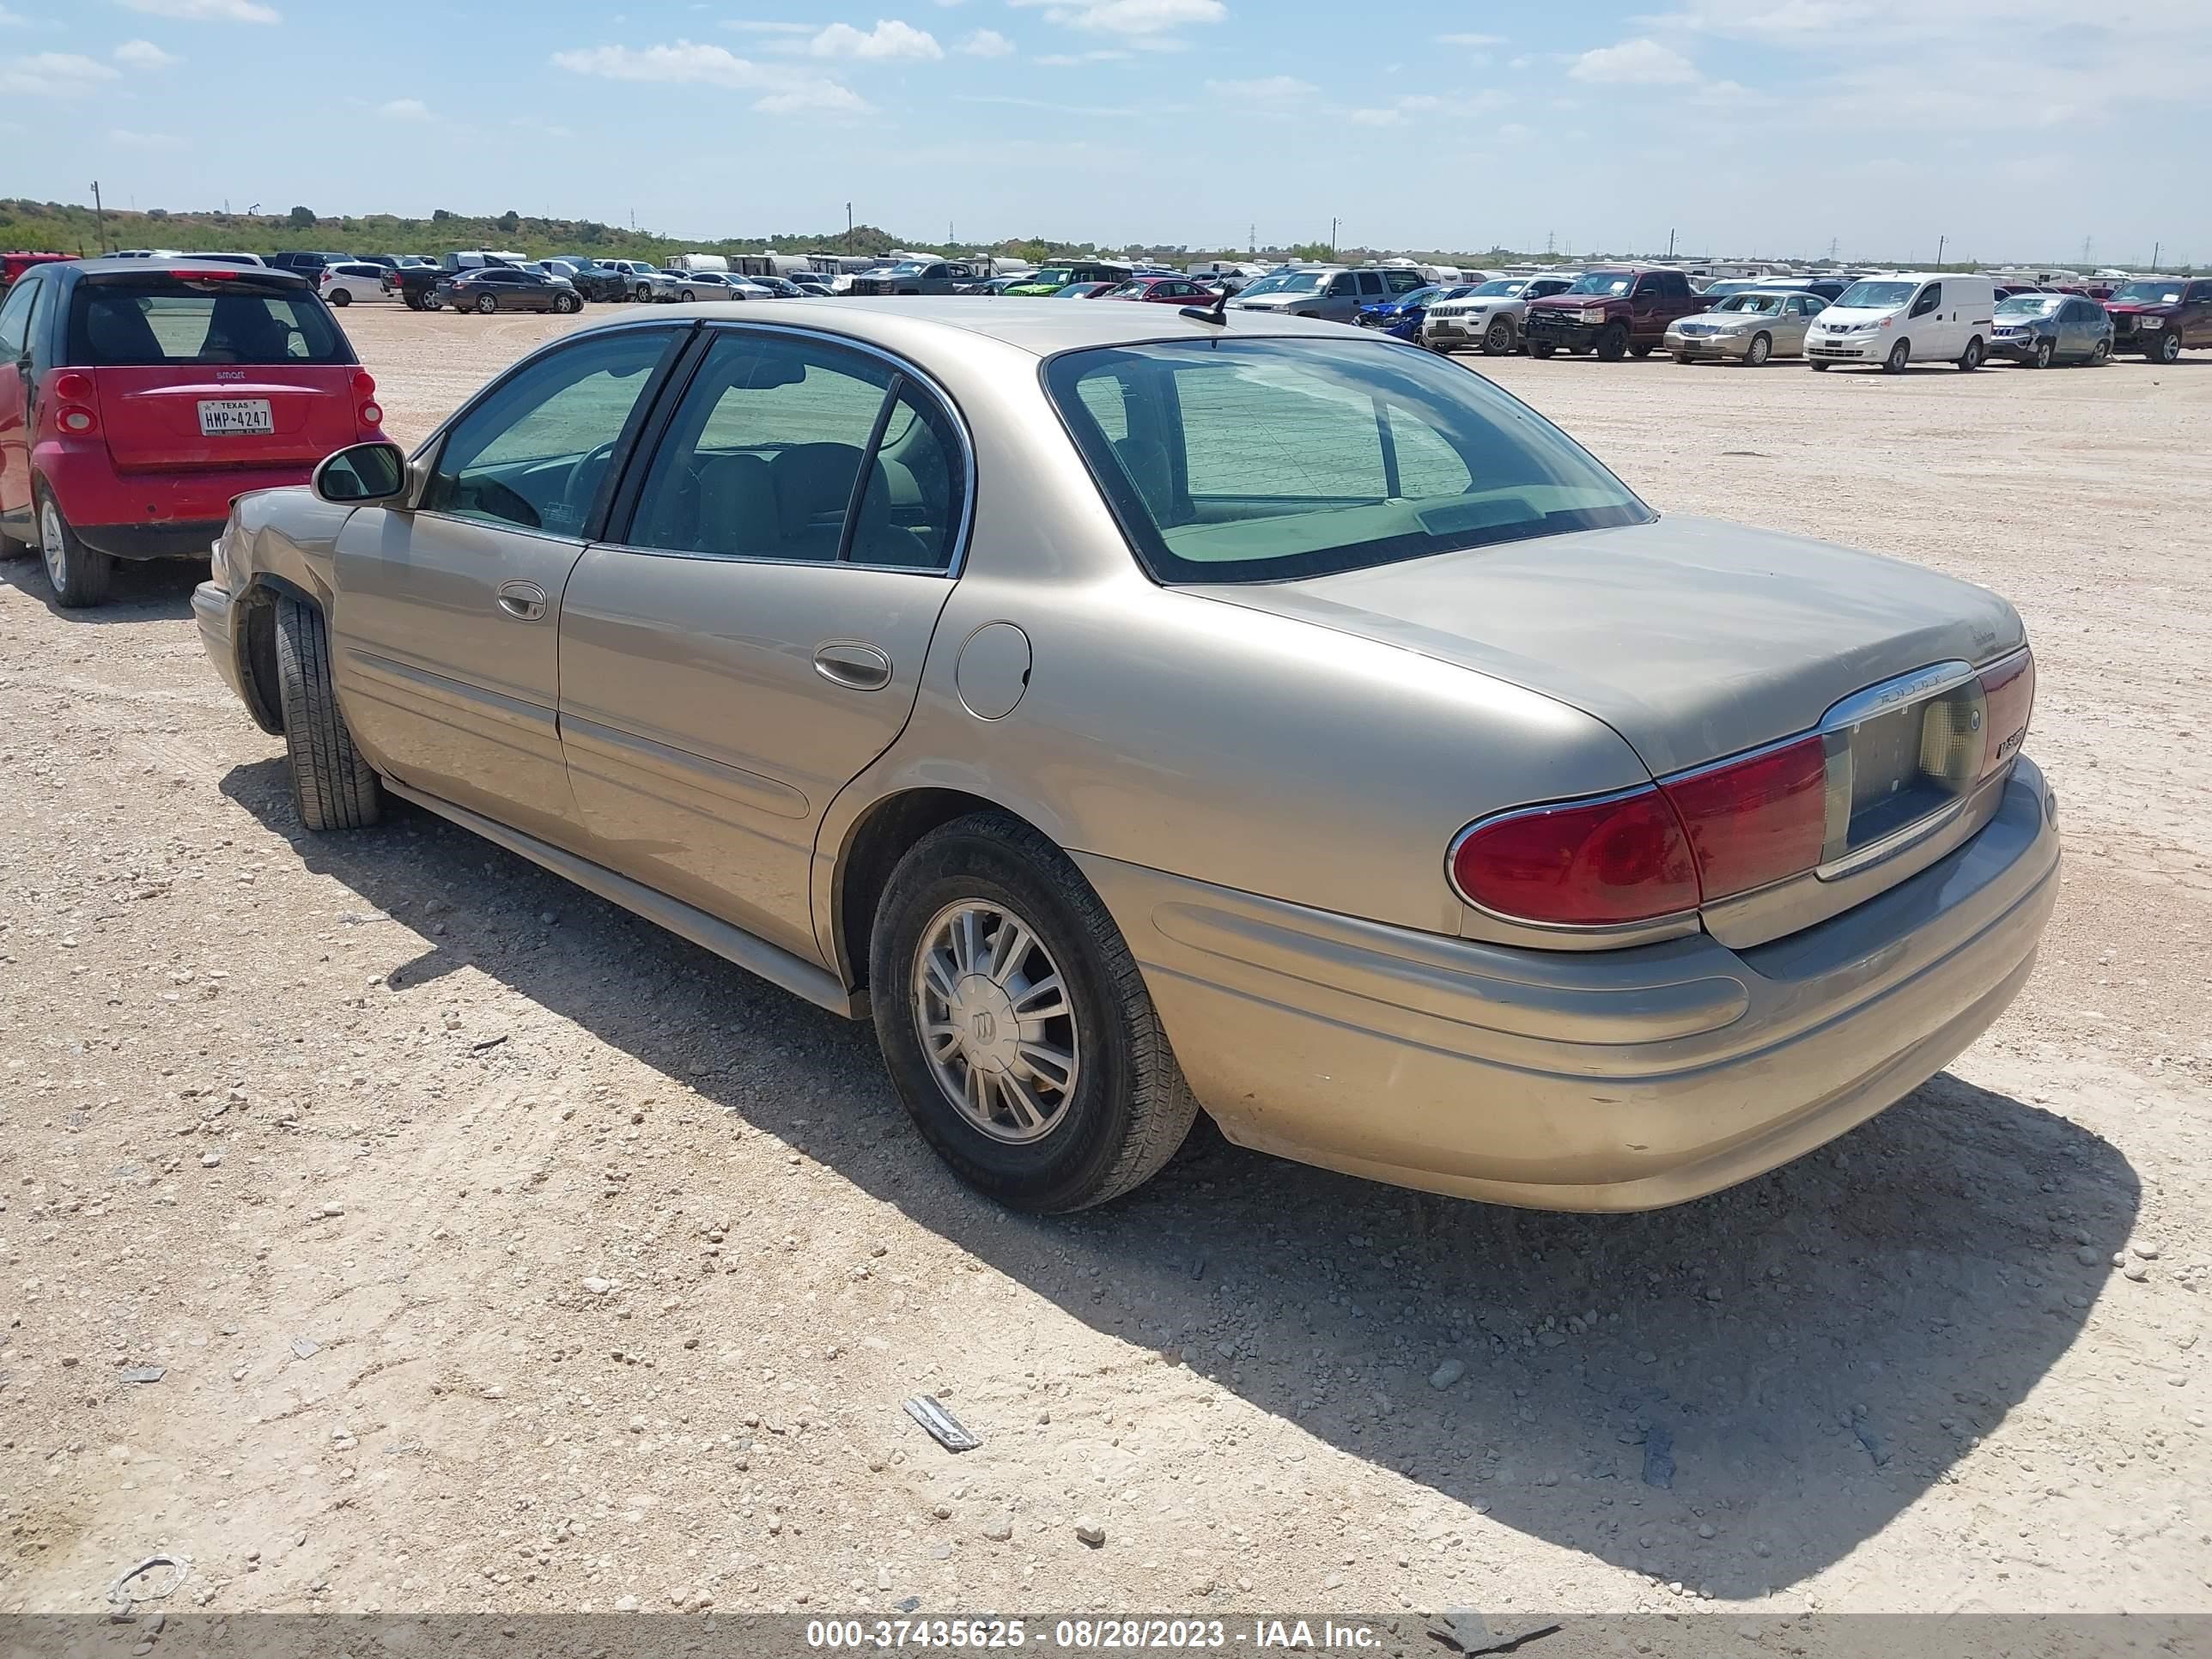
(982, 1027)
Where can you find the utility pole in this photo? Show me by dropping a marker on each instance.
(1940, 240)
(1670, 243)
(2088, 242)
(1332, 238)
(848, 227)
(1832, 244)
(100, 213)
(2154, 249)
(1252, 237)
(1548, 246)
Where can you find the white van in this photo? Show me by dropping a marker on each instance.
(1898, 317)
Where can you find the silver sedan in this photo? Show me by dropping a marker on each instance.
(1137, 712)
(1749, 326)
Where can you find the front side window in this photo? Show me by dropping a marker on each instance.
(1265, 460)
(182, 319)
(1930, 297)
(535, 451)
(805, 450)
(15, 320)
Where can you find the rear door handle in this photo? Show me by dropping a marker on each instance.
(861, 667)
(523, 600)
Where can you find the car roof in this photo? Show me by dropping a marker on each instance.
(1042, 327)
(265, 275)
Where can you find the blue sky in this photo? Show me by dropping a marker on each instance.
(2012, 128)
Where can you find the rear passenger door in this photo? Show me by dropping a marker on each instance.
(751, 634)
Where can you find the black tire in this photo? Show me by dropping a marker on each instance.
(1612, 342)
(79, 575)
(1818, 365)
(1541, 349)
(566, 303)
(487, 304)
(332, 786)
(1130, 1108)
(338, 296)
(1684, 357)
(1640, 352)
(644, 292)
(2167, 348)
(412, 301)
(2041, 356)
(1497, 338)
(1899, 355)
(1970, 358)
(2100, 354)
(1760, 348)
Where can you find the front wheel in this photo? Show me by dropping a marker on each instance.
(1818, 365)
(644, 292)
(79, 575)
(2100, 354)
(2044, 353)
(332, 786)
(566, 303)
(2167, 349)
(1900, 354)
(1015, 1025)
(1497, 338)
(1612, 344)
(1540, 348)
(1684, 357)
(1760, 348)
(1971, 359)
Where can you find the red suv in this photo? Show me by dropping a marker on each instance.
(2159, 316)
(139, 396)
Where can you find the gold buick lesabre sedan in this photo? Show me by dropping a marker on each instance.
(1136, 711)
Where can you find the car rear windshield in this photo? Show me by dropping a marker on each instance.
(1249, 460)
(148, 323)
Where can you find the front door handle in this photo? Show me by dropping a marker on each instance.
(861, 667)
(522, 600)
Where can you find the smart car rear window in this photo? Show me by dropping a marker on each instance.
(152, 323)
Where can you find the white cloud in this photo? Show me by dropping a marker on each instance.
(404, 109)
(1136, 18)
(12, 20)
(123, 138)
(53, 75)
(888, 39)
(206, 11)
(986, 43)
(1268, 89)
(1069, 59)
(1474, 40)
(688, 64)
(1638, 63)
(144, 54)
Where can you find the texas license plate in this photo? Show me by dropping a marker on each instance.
(224, 417)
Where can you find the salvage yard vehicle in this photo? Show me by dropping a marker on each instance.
(1490, 314)
(1162, 291)
(2038, 329)
(2159, 317)
(355, 280)
(139, 396)
(1612, 313)
(507, 288)
(1652, 852)
(1899, 318)
(918, 276)
(1749, 326)
(1047, 280)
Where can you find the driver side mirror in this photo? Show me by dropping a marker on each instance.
(360, 474)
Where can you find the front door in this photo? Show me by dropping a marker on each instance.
(446, 621)
(17, 374)
(754, 637)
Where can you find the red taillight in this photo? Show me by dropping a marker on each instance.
(372, 415)
(1757, 820)
(1584, 864)
(2008, 700)
(364, 383)
(72, 388)
(77, 422)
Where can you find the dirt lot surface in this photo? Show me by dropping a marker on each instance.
(497, 1250)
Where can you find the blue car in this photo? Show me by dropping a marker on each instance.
(1400, 317)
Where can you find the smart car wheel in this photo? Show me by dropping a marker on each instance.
(1497, 338)
(1760, 348)
(332, 786)
(2043, 355)
(1900, 354)
(78, 574)
(1014, 1023)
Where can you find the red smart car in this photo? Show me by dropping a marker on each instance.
(139, 396)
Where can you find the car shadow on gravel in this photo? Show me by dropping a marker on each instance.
(148, 590)
(1733, 1393)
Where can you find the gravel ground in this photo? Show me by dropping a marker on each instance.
(485, 1248)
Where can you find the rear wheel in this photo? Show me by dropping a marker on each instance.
(486, 303)
(332, 786)
(1015, 1025)
(1497, 338)
(79, 575)
(1540, 348)
(1970, 358)
(1900, 354)
(1612, 342)
(338, 296)
(1760, 348)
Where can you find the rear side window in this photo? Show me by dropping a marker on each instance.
(1265, 460)
(151, 323)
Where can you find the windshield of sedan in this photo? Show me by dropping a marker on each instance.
(1877, 296)
(1604, 281)
(1504, 290)
(1288, 282)
(1764, 305)
(2030, 305)
(1245, 460)
(2148, 293)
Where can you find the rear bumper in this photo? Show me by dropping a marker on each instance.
(1602, 1080)
(187, 540)
(150, 515)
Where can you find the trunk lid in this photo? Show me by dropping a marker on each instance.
(153, 420)
(1693, 638)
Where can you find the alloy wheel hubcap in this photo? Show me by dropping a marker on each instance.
(995, 1021)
